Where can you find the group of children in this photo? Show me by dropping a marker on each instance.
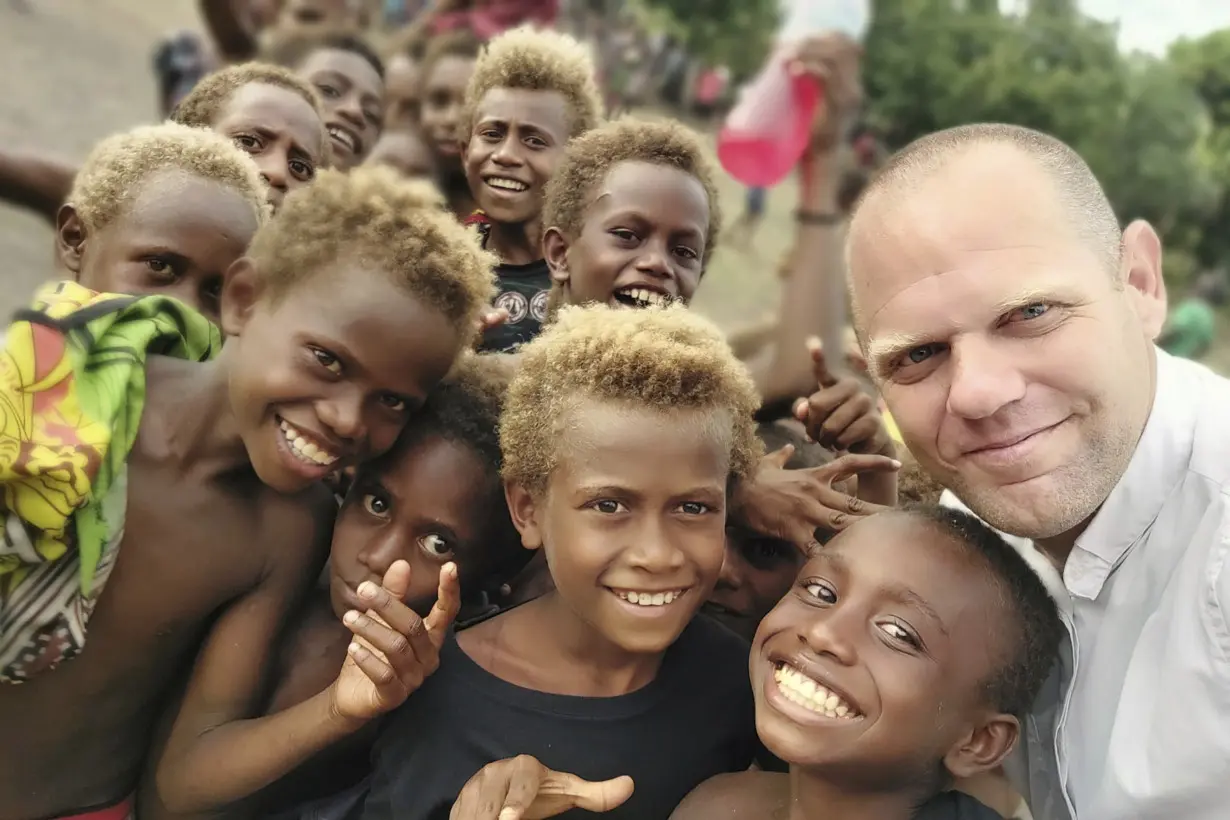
(296, 526)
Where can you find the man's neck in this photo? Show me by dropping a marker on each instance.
(813, 797)
(515, 243)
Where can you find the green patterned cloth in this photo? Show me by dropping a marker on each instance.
(72, 388)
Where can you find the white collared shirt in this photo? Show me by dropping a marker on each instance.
(1135, 723)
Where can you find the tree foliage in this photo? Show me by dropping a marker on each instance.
(1142, 123)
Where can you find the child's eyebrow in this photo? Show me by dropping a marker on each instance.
(896, 592)
(911, 598)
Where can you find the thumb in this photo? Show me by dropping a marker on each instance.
(397, 579)
(819, 366)
(588, 796)
(778, 458)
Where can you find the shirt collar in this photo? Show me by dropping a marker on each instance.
(1161, 459)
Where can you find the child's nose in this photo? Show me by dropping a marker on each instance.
(831, 635)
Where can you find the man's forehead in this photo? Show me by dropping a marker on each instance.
(964, 218)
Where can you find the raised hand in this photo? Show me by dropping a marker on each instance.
(394, 650)
(841, 414)
(791, 505)
(521, 788)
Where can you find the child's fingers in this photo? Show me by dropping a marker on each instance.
(397, 579)
(852, 464)
(376, 669)
(835, 428)
(448, 604)
(381, 638)
(778, 458)
(401, 619)
(819, 366)
(524, 781)
(863, 434)
(588, 796)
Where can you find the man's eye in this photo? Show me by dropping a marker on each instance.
(608, 506)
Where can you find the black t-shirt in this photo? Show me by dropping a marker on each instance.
(523, 291)
(955, 806)
(695, 720)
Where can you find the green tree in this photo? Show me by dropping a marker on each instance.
(1205, 64)
(734, 33)
(933, 64)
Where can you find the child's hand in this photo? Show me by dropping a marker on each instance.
(491, 317)
(791, 505)
(841, 415)
(394, 650)
(521, 788)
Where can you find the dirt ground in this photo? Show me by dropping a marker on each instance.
(74, 71)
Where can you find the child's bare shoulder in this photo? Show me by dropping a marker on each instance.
(747, 795)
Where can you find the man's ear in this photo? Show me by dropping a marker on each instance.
(70, 238)
(241, 290)
(524, 508)
(983, 748)
(555, 251)
(1141, 270)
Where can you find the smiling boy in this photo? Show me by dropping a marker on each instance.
(622, 433)
(348, 77)
(445, 73)
(268, 112)
(905, 657)
(162, 209)
(349, 308)
(271, 114)
(531, 92)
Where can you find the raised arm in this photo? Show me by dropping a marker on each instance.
(40, 184)
(817, 264)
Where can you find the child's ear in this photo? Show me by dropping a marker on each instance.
(984, 748)
(523, 508)
(241, 289)
(70, 238)
(555, 251)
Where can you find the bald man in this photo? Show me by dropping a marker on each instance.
(1010, 326)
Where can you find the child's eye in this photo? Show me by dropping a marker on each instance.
(623, 234)
(395, 403)
(536, 142)
(327, 90)
(435, 545)
(160, 266)
(687, 253)
(899, 633)
(302, 170)
(376, 505)
(247, 142)
(491, 135)
(327, 360)
(694, 508)
(820, 591)
(608, 506)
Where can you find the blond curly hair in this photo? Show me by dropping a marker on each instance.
(205, 102)
(590, 157)
(660, 358)
(116, 170)
(374, 216)
(535, 60)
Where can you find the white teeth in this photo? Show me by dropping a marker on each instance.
(811, 694)
(304, 448)
(507, 184)
(343, 137)
(644, 297)
(651, 598)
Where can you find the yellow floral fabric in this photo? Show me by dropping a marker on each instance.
(72, 388)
